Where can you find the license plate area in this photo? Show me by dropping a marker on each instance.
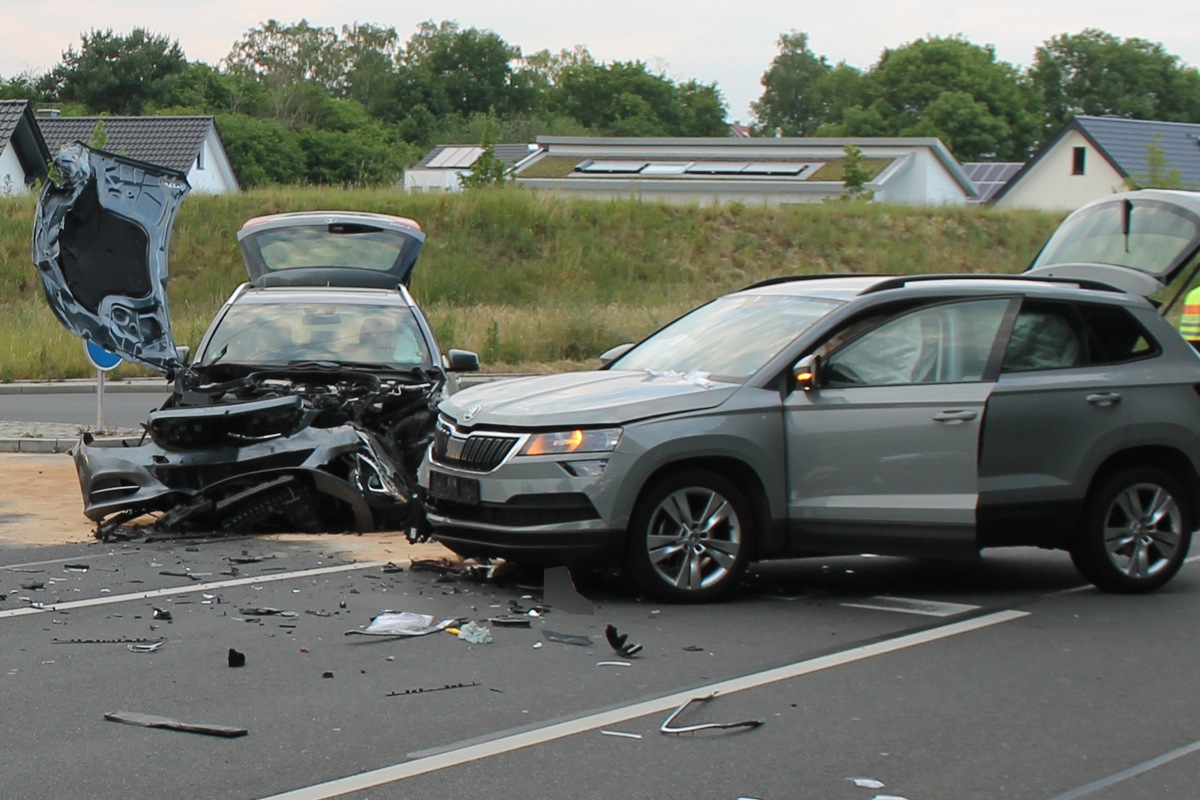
(453, 488)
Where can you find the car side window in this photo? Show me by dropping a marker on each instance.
(945, 343)
(1044, 338)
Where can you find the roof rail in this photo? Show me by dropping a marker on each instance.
(818, 276)
(904, 280)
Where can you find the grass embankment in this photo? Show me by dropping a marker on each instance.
(533, 281)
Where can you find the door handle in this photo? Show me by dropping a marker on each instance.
(957, 415)
(1104, 399)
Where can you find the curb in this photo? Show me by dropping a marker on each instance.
(32, 444)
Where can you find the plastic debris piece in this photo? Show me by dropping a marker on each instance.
(474, 633)
(391, 567)
(693, 648)
(262, 611)
(666, 727)
(76, 567)
(614, 664)
(327, 674)
(171, 574)
(403, 623)
(439, 565)
(622, 734)
(888, 797)
(567, 638)
(236, 659)
(152, 721)
(867, 783)
(33, 586)
(537, 645)
(426, 690)
(162, 614)
(510, 621)
(558, 591)
(106, 641)
(619, 642)
(144, 648)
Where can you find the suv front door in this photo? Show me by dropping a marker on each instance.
(884, 451)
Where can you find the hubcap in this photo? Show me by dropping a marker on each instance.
(1142, 530)
(694, 538)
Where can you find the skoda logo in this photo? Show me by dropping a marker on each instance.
(470, 413)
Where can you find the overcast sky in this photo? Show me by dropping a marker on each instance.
(730, 42)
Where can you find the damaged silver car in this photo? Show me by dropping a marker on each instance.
(310, 398)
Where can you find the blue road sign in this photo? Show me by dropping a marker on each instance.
(101, 359)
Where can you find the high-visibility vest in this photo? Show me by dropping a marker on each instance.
(1189, 321)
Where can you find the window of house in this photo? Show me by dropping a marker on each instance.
(1078, 160)
(200, 158)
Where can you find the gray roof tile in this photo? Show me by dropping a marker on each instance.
(1126, 143)
(172, 142)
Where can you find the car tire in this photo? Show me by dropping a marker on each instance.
(1136, 530)
(689, 537)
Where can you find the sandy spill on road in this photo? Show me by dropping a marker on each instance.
(40, 505)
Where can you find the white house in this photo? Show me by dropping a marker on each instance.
(1092, 157)
(191, 145)
(24, 156)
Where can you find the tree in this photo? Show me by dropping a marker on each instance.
(1159, 173)
(922, 88)
(855, 176)
(262, 151)
(297, 64)
(793, 99)
(472, 69)
(1095, 73)
(488, 170)
(119, 74)
(371, 53)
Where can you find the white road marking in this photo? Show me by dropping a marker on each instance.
(191, 588)
(907, 605)
(462, 753)
(1125, 774)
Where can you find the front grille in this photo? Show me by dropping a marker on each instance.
(478, 452)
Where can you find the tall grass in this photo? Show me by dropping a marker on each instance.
(536, 281)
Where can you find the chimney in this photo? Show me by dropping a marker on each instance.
(48, 113)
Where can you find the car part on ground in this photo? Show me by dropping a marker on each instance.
(929, 416)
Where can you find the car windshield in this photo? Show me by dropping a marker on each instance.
(731, 338)
(280, 333)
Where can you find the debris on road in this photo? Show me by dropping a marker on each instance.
(162, 614)
(474, 633)
(152, 721)
(427, 690)
(510, 621)
(614, 663)
(620, 643)
(867, 783)
(236, 659)
(108, 641)
(144, 648)
(622, 734)
(567, 638)
(666, 727)
(402, 623)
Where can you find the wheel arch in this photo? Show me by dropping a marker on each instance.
(1165, 458)
(734, 469)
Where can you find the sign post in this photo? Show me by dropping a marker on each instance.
(103, 361)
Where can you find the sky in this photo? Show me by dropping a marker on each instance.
(729, 42)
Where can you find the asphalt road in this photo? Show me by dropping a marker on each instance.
(125, 410)
(993, 679)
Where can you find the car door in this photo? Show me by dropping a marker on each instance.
(882, 455)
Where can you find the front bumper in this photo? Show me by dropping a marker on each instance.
(530, 509)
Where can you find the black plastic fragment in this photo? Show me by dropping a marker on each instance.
(568, 638)
(162, 614)
(619, 642)
(236, 659)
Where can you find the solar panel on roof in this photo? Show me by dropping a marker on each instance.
(613, 166)
(456, 157)
(718, 167)
(774, 168)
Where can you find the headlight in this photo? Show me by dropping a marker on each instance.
(599, 440)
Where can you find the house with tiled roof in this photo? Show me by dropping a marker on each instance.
(443, 167)
(770, 171)
(1092, 157)
(24, 156)
(191, 145)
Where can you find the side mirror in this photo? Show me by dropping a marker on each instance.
(807, 372)
(461, 361)
(183, 352)
(613, 353)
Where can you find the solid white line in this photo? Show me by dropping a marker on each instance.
(1125, 774)
(603, 719)
(189, 589)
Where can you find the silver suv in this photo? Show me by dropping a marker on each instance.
(922, 415)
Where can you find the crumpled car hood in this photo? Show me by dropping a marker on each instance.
(100, 239)
(583, 398)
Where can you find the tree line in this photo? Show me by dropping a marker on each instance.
(297, 103)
